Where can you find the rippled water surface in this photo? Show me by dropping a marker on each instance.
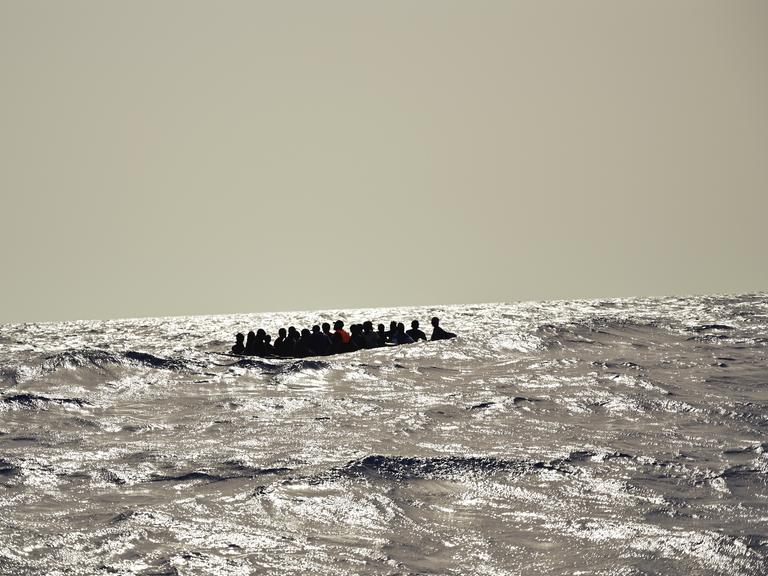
(613, 437)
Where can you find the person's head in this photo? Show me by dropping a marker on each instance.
(281, 332)
(251, 335)
(435, 321)
(315, 329)
(367, 326)
(355, 329)
(260, 333)
(305, 333)
(380, 327)
(291, 330)
(267, 338)
(400, 328)
(393, 325)
(338, 325)
(239, 337)
(415, 324)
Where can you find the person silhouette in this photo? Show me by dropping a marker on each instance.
(261, 336)
(251, 346)
(269, 349)
(370, 338)
(356, 341)
(279, 344)
(381, 333)
(401, 337)
(327, 331)
(239, 347)
(320, 342)
(438, 333)
(340, 337)
(415, 333)
(304, 345)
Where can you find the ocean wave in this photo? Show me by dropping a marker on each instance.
(147, 359)
(29, 400)
(72, 359)
(241, 471)
(286, 368)
(412, 467)
(708, 327)
(101, 360)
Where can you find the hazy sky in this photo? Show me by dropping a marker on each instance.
(188, 157)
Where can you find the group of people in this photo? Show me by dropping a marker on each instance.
(320, 341)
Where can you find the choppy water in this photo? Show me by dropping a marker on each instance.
(613, 437)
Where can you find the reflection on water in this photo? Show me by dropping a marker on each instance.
(587, 437)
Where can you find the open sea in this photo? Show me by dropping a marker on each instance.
(605, 437)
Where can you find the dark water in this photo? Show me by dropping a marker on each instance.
(613, 437)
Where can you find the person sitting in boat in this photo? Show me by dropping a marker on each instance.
(292, 341)
(239, 347)
(269, 349)
(320, 342)
(251, 347)
(340, 337)
(356, 341)
(261, 340)
(392, 333)
(382, 334)
(415, 333)
(438, 333)
(304, 345)
(327, 331)
(370, 338)
(279, 344)
(402, 337)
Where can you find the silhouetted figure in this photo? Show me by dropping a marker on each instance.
(392, 333)
(438, 333)
(341, 338)
(320, 342)
(261, 336)
(239, 347)
(327, 331)
(280, 342)
(269, 349)
(381, 334)
(304, 345)
(356, 341)
(402, 337)
(415, 333)
(370, 338)
(251, 346)
(291, 341)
